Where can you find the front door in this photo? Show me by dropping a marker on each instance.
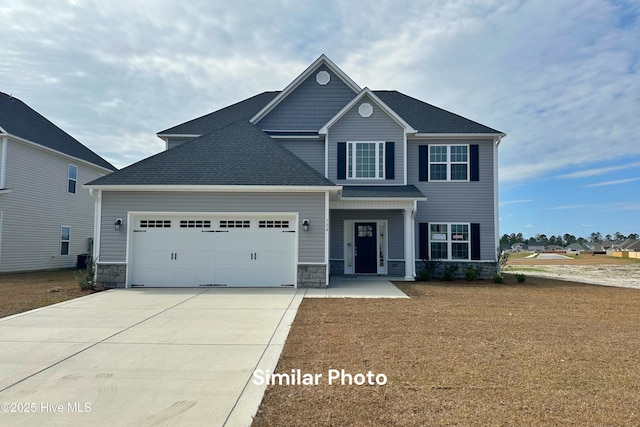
(365, 247)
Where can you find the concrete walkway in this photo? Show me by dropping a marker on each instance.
(358, 287)
(143, 357)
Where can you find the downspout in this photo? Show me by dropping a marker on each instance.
(496, 204)
(3, 163)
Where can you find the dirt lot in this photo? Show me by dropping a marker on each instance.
(546, 353)
(25, 291)
(598, 269)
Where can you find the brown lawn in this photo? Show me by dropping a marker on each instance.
(543, 353)
(585, 259)
(25, 291)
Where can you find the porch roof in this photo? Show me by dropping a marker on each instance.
(382, 192)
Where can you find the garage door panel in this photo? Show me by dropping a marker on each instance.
(232, 252)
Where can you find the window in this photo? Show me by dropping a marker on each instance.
(155, 223)
(65, 233)
(365, 160)
(72, 178)
(230, 223)
(195, 223)
(273, 224)
(449, 241)
(448, 162)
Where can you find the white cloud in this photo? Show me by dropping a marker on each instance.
(559, 77)
(514, 202)
(599, 171)
(613, 182)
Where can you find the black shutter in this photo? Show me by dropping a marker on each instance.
(389, 161)
(423, 162)
(474, 166)
(423, 228)
(342, 160)
(475, 240)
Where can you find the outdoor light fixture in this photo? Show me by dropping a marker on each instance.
(305, 224)
(117, 224)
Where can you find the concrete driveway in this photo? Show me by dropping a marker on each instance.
(143, 357)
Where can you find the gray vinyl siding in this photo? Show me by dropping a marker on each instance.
(378, 127)
(310, 206)
(310, 105)
(311, 151)
(458, 201)
(39, 205)
(175, 141)
(395, 233)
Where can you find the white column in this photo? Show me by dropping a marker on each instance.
(409, 256)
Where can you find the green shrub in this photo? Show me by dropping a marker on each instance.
(498, 278)
(450, 272)
(428, 269)
(521, 278)
(470, 274)
(87, 278)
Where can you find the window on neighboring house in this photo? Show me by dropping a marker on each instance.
(72, 178)
(449, 241)
(448, 162)
(65, 234)
(365, 160)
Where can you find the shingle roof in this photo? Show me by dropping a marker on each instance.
(382, 191)
(238, 154)
(426, 118)
(20, 120)
(242, 110)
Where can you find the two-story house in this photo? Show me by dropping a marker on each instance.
(287, 188)
(46, 217)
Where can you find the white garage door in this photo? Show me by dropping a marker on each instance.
(170, 250)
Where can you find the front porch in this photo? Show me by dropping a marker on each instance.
(358, 287)
(372, 231)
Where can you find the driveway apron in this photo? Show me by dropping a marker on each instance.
(143, 357)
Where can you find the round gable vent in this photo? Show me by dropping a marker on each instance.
(323, 78)
(365, 109)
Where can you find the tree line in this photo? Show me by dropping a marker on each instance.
(565, 239)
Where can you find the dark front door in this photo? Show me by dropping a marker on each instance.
(365, 250)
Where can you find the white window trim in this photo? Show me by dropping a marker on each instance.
(448, 163)
(75, 188)
(63, 241)
(352, 161)
(449, 241)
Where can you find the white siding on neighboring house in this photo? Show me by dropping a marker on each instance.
(39, 204)
(115, 205)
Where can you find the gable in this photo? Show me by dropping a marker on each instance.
(311, 104)
(20, 120)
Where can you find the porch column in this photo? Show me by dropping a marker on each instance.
(409, 256)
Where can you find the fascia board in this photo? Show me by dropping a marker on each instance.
(302, 77)
(367, 92)
(216, 188)
(458, 135)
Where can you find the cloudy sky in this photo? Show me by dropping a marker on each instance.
(560, 77)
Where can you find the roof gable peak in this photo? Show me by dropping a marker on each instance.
(322, 60)
(373, 97)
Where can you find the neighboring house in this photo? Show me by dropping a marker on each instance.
(575, 248)
(287, 188)
(630, 245)
(536, 246)
(46, 218)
